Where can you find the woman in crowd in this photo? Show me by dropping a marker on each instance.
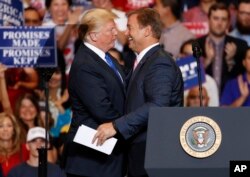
(65, 20)
(12, 151)
(27, 112)
(236, 91)
(58, 101)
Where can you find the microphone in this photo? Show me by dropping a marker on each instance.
(197, 52)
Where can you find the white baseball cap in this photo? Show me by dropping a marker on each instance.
(35, 132)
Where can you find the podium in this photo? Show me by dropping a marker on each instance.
(165, 156)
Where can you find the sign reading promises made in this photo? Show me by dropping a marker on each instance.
(28, 47)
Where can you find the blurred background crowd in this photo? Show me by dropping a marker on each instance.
(222, 28)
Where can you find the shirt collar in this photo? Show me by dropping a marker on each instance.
(99, 52)
(220, 43)
(143, 52)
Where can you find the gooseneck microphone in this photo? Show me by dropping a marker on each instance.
(197, 52)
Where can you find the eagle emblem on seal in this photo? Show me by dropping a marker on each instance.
(200, 137)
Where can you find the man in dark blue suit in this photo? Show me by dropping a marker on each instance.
(97, 94)
(156, 82)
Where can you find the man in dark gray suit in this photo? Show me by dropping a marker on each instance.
(97, 94)
(156, 82)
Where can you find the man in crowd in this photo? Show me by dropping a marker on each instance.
(222, 54)
(242, 29)
(32, 17)
(174, 32)
(193, 97)
(35, 139)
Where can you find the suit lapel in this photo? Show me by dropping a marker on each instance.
(107, 68)
(122, 84)
(141, 63)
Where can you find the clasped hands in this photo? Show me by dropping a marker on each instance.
(230, 50)
(104, 132)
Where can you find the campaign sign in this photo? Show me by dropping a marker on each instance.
(197, 28)
(84, 3)
(11, 13)
(28, 47)
(188, 67)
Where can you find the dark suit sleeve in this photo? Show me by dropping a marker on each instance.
(157, 88)
(94, 94)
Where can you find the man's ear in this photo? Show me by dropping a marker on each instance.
(27, 146)
(93, 36)
(147, 31)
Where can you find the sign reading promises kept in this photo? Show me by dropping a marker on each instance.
(28, 47)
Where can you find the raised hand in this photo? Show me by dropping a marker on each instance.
(210, 52)
(73, 16)
(243, 86)
(2, 70)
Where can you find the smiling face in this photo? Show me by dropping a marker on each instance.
(144, 29)
(59, 10)
(27, 110)
(135, 34)
(6, 129)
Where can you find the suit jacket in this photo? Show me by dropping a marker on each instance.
(237, 68)
(156, 82)
(97, 95)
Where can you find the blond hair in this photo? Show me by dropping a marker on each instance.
(93, 20)
(16, 140)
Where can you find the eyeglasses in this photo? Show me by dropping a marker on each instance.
(243, 13)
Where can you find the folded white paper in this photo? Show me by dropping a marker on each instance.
(85, 135)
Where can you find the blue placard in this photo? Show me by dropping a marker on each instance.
(28, 47)
(83, 3)
(11, 13)
(188, 67)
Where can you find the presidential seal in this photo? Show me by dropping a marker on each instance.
(200, 136)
